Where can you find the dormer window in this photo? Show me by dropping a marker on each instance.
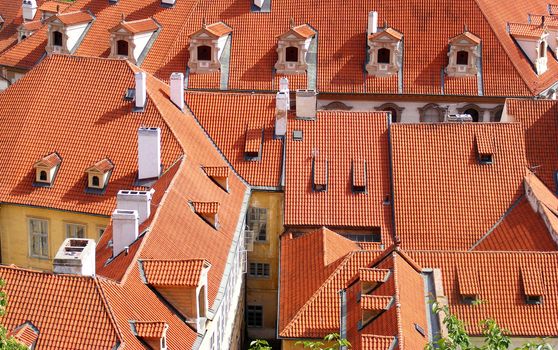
(293, 48)
(532, 39)
(207, 46)
(219, 175)
(464, 52)
(154, 333)
(208, 211)
(28, 28)
(469, 285)
(319, 172)
(359, 176)
(384, 52)
(254, 143)
(485, 147)
(65, 31)
(533, 285)
(46, 169)
(99, 174)
(132, 39)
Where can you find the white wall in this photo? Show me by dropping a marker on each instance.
(74, 33)
(140, 41)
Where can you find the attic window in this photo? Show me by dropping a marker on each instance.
(462, 57)
(384, 55)
(291, 54)
(485, 158)
(533, 285)
(206, 47)
(533, 299)
(253, 143)
(464, 52)
(297, 135)
(208, 212)
(384, 52)
(292, 49)
(469, 299)
(99, 174)
(122, 48)
(320, 174)
(469, 284)
(204, 53)
(46, 169)
(359, 176)
(485, 147)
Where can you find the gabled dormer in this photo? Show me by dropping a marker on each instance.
(551, 24)
(207, 46)
(66, 31)
(219, 175)
(154, 333)
(26, 29)
(533, 41)
(463, 54)
(183, 284)
(46, 169)
(131, 40)
(384, 52)
(98, 175)
(208, 211)
(51, 8)
(292, 49)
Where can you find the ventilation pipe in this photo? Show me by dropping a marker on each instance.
(139, 201)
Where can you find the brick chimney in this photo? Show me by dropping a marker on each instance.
(306, 101)
(125, 227)
(29, 9)
(139, 201)
(76, 256)
(177, 89)
(149, 153)
(141, 90)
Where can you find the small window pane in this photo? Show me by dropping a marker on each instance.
(38, 238)
(384, 56)
(291, 54)
(462, 58)
(257, 222)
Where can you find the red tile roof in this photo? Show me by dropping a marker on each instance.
(206, 207)
(323, 138)
(73, 18)
(217, 171)
(444, 198)
(173, 272)
(11, 12)
(26, 334)
(376, 342)
(137, 27)
(51, 160)
(150, 329)
(103, 166)
(224, 116)
(375, 302)
(33, 25)
(521, 30)
(54, 6)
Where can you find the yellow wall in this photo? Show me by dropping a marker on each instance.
(263, 291)
(14, 232)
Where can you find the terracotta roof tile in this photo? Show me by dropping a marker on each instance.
(532, 281)
(173, 272)
(54, 6)
(72, 18)
(51, 160)
(392, 32)
(376, 342)
(137, 27)
(33, 25)
(375, 302)
(218, 29)
(521, 30)
(304, 30)
(103, 166)
(373, 275)
(253, 143)
(217, 171)
(468, 281)
(150, 329)
(206, 207)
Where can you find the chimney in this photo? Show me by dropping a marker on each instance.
(284, 87)
(139, 201)
(282, 105)
(124, 229)
(76, 256)
(306, 104)
(29, 9)
(149, 153)
(259, 3)
(372, 22)
(177, 89)
(141, 92)
(168, 2)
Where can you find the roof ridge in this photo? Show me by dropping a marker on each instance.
(108, 308)
(397, 302)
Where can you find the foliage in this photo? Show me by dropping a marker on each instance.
(7, 342)
(338, 343)
(259, 345)
(495, 338)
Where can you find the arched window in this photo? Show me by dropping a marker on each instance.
(542, 49)
(431, 113)
(95, 181)
(393, 114)
(43, 175)
(462, 58)
(122, 47)
(291, 54)
(384, 55)
(204, 53)
(201, 302)
(56, 38)
(473, 113)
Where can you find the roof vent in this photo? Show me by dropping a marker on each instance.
(533, 285)
(76, 257)
(125, 227)
(306, 101)
(168, 3)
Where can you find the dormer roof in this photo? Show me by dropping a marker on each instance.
(53, 6)
(32, 25)
(103, 166)
(184, 273)
(303, 31)
(150, 329)
(49, 161)
(465, 37)
(550, 21)
(73, 18)
(206, 207)
(390, 32)
(137, 27)
(216, 30)
(217, 171)
(526, 31)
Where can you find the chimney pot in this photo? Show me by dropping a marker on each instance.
(125, 229)
(306, 101)
(149, 153)
(177, 89)
(372, 22)
(139, 201)
(141, 90)
(29, 9)
(76, 256)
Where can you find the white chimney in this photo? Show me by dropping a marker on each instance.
(168, 2)
(284, 87)
(372, 22)
(76, 256)
(281, 108)
(149, 153)
(177, 89)
(306, 101)
(29, 9)
(141, 90)
(139, 201)
(259, 3)
(125, 228)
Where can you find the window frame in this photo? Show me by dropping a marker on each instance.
(41, 235)
(250, 223)
(259, 270)
(383, 50)
(68, 225)
(256, 310)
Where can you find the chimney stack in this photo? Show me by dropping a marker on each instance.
(259, 3)
(139, 201)
(76, 256)
(306, 101)
(168, 2)
(372, 22)
(141, 90)
(281, 108)
(125, 229)
(177, 89)
(149, 153)
(29, 9)
(284, 87)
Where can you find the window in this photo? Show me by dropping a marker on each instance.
(462, 58)
(122, 47)
(542, 49)
(257, 222)
(204, 53)
(23, 37)
(56, 38)
(43, 175)
(485, 158)
(384, 56)
(100, 231)
(38, 238)
(469, 299)
(259, 270)
(393, 113)
(473, 113)
(254, 315)
(75, 231)
(363, 237)
(291, 54)
(95, 181)
(533, 299)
